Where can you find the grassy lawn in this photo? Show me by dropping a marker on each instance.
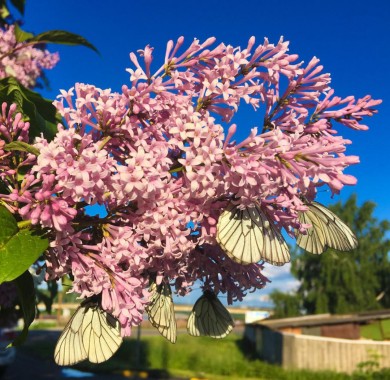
(201, 358)
(378, 330)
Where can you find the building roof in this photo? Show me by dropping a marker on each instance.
(324, 319)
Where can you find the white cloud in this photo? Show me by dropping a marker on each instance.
(256, 297)
(280, 277)
(285, 285)
(273, 271)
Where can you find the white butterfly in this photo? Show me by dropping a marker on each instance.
(161, 311)
(247, 236)
(209, 317)
(91, 334)
(327, 230)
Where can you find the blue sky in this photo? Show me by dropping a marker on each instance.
(350, 38)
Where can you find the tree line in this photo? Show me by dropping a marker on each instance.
(342, 282)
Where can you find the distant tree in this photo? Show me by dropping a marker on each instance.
(47, 296)
(342, 282)
(286, 304)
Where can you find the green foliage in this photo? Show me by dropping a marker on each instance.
(9, 225)
(285, 304)
(226, 358)
(4, 12)
(369, 369)
(62, 37)
(19, 249)
(43, 324)
(26, 294)
(48, 295)
(70, 297)
(229, 358)
(51, 36)
(371, 331)
(378, 330)
(40, 112)
(22, 147)
(4, 8)
(343, 282)
(6, 16)
(21, 35)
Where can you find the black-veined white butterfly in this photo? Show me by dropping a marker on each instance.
(91, 334)
(161, 311)
(327, 230)
(247, 236)
(209, 317)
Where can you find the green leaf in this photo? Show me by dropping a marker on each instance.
(3, 188)
(18, 248)
(19, 5)
(26, 293)
(21, 173)
(22, 146)
(19, 252)
(39, 111)
(4, 12)
(62, 37)
(21, 35)
(9, 225)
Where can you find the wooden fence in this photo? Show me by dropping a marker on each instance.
(316, 353)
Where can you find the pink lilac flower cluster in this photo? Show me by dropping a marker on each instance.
(12, 128)
(156, 156)
(23, 61)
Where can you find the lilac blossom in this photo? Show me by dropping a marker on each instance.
(21, 60)
(157, 158)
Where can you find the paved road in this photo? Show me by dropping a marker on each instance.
(27, 367)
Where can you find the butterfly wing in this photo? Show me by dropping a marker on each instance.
(209, 318)
(314, 241)
(101, 334)
(338, 235)
(247, 236)
(70, 349)
(327, 230)
(91, 334)
(161, 312)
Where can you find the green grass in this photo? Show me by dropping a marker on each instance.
(190, 357)
(42, 325)
(378, 330)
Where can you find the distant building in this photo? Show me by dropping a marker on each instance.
(256, 315)
(322, 341)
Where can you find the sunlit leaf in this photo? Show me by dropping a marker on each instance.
(62, 37)
(21, 35)
(21, 146)
(40, 112)
(18, 248)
